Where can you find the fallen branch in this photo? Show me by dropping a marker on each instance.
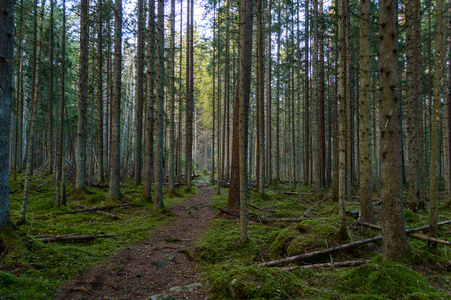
(352, 263)
(101, 212)
(278, 219)
(261, 209)
(410, 233)
(429, 239)
(296, 193)
(94, 209)
(73, 238)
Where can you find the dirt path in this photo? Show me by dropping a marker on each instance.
(133, 272)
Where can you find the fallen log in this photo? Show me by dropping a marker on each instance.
(73, 238)
(413, 235)
(319, 252)
(93, 209)
(425, 227)
(352, 263)
(229, 212)
(340, 247)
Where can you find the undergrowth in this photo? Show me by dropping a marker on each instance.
(34, 270)
(232, 272)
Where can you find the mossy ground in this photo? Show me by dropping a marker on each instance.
(33, 270)
(230, 267)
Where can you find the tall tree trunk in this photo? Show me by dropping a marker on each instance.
(33, 115)
(139, 93)
(322, 129)
(115, 168)
(172, 92)
(315, 104)
(148, 153)
(269, 161)
(82, 97)
(244, 73)
(277, 152)
(365, 117)
(100, 170)
(260, 100)
(394, 241)
(59, 176)
(435, 134)
(213, 100)
(189, 113)
(306, 100)
(159, 109)
(6, 75)
(342, 37)
(50, 98)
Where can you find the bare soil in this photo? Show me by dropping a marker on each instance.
(131, 274)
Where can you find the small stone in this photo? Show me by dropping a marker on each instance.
(158, 263)
(170, 257)
(188, 288)
(234, 281)
(161, 297)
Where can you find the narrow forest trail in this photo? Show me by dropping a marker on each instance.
(137, 272)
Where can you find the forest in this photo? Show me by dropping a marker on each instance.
(246, 149)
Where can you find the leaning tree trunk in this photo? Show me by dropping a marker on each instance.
(33, 114)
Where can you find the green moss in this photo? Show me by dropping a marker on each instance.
(388, 280)
(410, 216)
(278, 247)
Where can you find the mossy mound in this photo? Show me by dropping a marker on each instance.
(387, 280)
(245, 282)
(14, 245)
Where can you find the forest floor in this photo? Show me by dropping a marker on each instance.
(160, 265)
(191, 249)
